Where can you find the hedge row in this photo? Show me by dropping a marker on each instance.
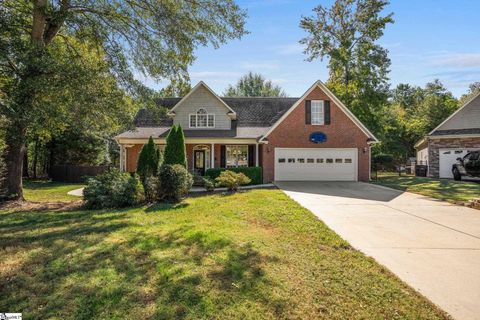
(254, 173)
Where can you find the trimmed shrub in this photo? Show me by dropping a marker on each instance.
(175, 182)
(113, 189)
(209, 184)
(232, 180)
(148, 160)
(255, 174)
(151, 188)
(175, 152)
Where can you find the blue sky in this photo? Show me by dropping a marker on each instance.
(429, 39)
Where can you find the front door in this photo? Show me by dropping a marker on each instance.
(199, 162)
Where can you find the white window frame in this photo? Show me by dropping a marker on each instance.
(226, 155)
(317, 112)
(196, 122)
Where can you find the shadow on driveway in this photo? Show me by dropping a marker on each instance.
(356, 190)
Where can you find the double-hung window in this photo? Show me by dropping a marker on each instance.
(202, 119)
(236, 156)
(317, 111)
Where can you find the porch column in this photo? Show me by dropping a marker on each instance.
(212, 156)
(256, 154)
(121, 157)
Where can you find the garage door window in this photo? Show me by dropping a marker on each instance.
(291, 160)
(319, 160)
(281, 160)
(301, 160)
(310, 160)
(348, 160)
(329, 161)
(338, 160)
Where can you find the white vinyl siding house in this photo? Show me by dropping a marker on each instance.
(216, 113)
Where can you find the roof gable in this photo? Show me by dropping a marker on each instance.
(341, 106)
(199, 85)
(465, 118)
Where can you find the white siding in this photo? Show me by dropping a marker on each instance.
(422, 156)
(202, 98)
(467, 118)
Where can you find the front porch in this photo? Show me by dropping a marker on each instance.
(202, 156)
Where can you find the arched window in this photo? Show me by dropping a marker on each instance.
(202, 119)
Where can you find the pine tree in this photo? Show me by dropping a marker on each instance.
(182, 153)
(175, 152)
(148, 160)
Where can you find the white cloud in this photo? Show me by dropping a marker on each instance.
(458, 60)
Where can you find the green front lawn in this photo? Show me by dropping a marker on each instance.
(48, 191)
(252, 255)
(443, 189)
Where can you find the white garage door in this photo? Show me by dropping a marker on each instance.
(448, 157)
(308, 164)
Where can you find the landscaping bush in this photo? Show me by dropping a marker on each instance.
(175, 152)
(232, 180)
(255, 174)
(149, 160)
(113, 189)
(209, 184)
(151, 188)
(175, 182)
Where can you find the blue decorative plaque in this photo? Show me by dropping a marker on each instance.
(318, 137)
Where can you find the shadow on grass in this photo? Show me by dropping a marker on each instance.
(166, 207)
(102, 264)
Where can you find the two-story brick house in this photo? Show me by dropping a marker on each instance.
(314, 137)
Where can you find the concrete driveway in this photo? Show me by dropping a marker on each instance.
(430, 244)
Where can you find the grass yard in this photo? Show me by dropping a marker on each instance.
(252, 255)
(444, 189)
(48, 191)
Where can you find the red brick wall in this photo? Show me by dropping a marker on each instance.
(294, 133)
(132, 157)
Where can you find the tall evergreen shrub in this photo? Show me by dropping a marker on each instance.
(175, 152)
(148, 160)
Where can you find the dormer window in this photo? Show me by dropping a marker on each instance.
(202, 119)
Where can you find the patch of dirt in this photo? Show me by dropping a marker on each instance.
(23, 206)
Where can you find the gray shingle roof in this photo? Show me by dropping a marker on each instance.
(255, 115)
(251, 111)
(456, 131)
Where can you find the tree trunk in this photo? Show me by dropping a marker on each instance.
(25, 163)
(35, 159)
(15, 142)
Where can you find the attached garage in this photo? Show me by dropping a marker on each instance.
(316, 164)
(447, 158)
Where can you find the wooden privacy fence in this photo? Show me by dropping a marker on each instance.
(75, 174)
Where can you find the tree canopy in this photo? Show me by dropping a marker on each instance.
(70, 62)
(346, 34)
(254, 85)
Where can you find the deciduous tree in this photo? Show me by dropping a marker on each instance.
(347, 34)
(254, 85)
(45, 44)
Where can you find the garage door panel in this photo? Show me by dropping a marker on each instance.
(300, 164)
(447, 158)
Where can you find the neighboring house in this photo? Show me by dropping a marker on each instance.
(452, 139)
(314, 137)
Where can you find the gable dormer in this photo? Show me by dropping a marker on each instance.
(202, 109)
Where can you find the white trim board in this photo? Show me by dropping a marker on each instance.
(342, 107)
